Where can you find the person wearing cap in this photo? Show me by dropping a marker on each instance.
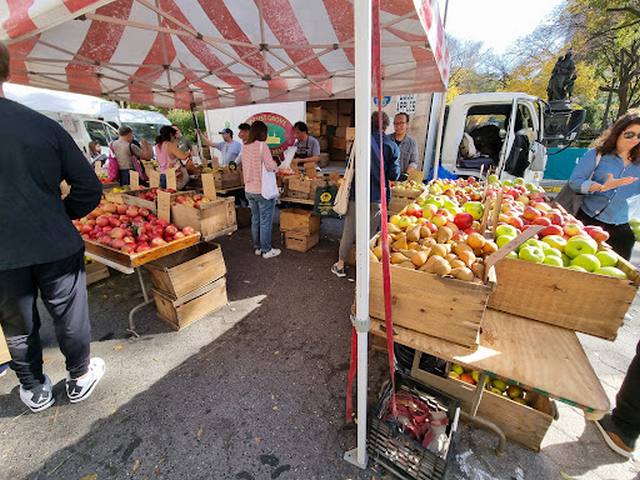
(307, 147)
(229, 148)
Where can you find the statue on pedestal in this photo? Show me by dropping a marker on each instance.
(563, 78)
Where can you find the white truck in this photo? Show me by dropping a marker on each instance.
(145, 124)
(504, 132)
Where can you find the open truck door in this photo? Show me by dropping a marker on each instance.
(507, 143)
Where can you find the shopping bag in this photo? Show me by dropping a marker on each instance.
(341, 203)
(269, 188)
(569, 199)
(113, 171)
(324, 200)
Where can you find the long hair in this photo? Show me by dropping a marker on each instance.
(606, 143)
(258, 132)
(167, 134)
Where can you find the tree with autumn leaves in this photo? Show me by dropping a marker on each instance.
(604, 36)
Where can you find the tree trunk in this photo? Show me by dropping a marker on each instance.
(623, 97)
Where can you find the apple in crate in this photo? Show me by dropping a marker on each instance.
(476, 209)
(463, 220)
(555, 241)
(597, 233)
(611, 272)
(587, 261)
(572, 229)
(607, 258)
(580, 244)
(531, 253)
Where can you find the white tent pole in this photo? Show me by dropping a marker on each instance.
(362, 23)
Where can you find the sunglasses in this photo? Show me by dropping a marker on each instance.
(629, 135)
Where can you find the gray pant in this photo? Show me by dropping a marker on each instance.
(62, 287)
(349, 229)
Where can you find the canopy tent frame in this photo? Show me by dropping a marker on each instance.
(424, 69)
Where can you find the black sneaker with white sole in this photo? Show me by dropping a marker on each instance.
(38, 398)
(79, 389)
(338, 272)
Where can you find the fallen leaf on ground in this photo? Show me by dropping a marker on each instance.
(136, 465)
(90, 476)
(118, 347)
(200, 433)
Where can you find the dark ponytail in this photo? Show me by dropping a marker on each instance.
(167, 134)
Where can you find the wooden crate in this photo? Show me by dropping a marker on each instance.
(180, 273)
(133, 198)
(299, 220)
(526, 425)
(441, 307)
(179, 313)
(138, 259)
(95, 271)
(300, 242)
(5, 356)
(584, 302)
(228, 179)
(298, 187)
(400, 198)
(212, 219)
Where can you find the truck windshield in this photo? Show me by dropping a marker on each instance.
(148, 131)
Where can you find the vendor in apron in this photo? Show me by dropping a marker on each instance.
(307, 147)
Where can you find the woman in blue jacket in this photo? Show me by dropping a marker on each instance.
(608, 176)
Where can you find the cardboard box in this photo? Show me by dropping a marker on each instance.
(315, 128)
(344, 120)
(339, 143)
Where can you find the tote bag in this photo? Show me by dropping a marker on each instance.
(269, 188)
(113, 172)
(570, 200)
(341, 204)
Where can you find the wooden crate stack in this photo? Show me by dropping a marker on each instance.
(212, 219)
(94, 271)
(189, 284)
(301, 229)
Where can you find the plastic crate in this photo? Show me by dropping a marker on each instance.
(398, 452)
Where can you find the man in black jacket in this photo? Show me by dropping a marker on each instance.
(41, 251)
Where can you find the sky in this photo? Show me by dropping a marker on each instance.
(497, 23)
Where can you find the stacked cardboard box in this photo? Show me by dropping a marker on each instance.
(330, 122)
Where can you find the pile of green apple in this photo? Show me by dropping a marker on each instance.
(579, 252)
(494, 384)
(634, 223)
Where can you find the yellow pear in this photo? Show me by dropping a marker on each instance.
(373, 257)
(407, 265)
(444, 234)
(400, 243)
(377, 251)
(468, 257)
(438, 265)
(478, 269)
(425, 232)
(457, 263)
(460, 247)
(397, 258)
(419, 258)
(393, 228)
(438, 250)
(413, 234)
(463, 273)
(450, 256)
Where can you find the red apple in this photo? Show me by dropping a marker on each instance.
(171, 230)
(516, 222)
(158, 242)
(142, 247)
(597, 233)
(191, 231)
(132, 211)
(572, 229)
(551, 230)
(463, 220)
(128, 239)
(544, 221)
(530, 213)
(105, 240)
(121, 209)
(102, 221)
(117, 233)
(178, 235)
(128, 248)
(144, 212)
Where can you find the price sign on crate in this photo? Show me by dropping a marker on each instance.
(164, 205)
(209, 186)
(154, 179)
(134, 180)
(171, 179)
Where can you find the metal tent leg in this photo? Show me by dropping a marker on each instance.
(147, 301)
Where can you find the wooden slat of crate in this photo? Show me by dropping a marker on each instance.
(181, 312)
(180, 273)
(95, 271)
(300, 242)
(445, 308)
(212, 219)
(138, 259)
(5, 356)
(299, 220)
(520, 423)
(584, 302)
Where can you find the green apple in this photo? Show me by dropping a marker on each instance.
(576, 268)
(611, 272)
(607, 258)
(533, 242)
(437, 200)
(508, 230)
(531, 253)
(587, 261)
(555, 241)
(476, 209)
(493, 179)
(512, 254)
(580, 245)
(507, 183)
(552, 252)
(518, 181)
(502, 240)
(457, 368)
(566, 261)
(429, 210)
(553, 261)
(499, 384)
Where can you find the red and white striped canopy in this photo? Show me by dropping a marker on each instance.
(216, 53)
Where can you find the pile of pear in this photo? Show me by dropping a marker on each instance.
(445, 251)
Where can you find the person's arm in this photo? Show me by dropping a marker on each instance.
(269, 163)
(205, 139)
(86, 189)
(173, 149)
(580, 179)
(392, 163)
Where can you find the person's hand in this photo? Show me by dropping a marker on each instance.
(613, 183)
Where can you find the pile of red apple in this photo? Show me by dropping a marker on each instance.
(151, 194)
(194, 201)
(128, 228)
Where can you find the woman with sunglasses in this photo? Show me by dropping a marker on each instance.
(608, 176)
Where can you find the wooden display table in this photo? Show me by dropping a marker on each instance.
(548, 359)
(301, 201)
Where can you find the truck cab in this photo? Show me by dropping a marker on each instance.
(498, 132)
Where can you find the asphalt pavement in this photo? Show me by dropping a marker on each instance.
(255, 391)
